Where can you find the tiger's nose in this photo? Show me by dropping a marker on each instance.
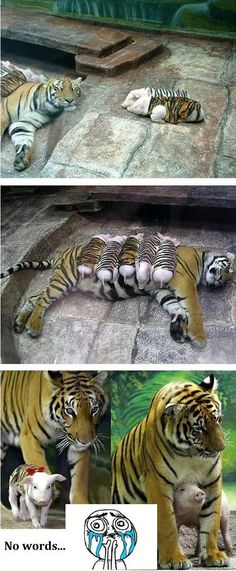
(68, 100)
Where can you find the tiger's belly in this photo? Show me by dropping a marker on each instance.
(195, 470)
(114, 290)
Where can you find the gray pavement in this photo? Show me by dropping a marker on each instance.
(82, 329)
(100, 139)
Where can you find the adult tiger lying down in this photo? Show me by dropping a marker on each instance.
(180, 440)
(179, 297)
(31, 106)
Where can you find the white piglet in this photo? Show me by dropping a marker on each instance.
(188, 502)
(34, 488)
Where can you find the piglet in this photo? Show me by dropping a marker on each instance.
(188, 502)
(148, 249)
(165, 261)
(107, 268)
(133, 96)
(35, 489)
(129, 255)
(91, 254)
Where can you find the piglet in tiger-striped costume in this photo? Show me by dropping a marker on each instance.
(171, 106)
(165, 260)
(35, 489)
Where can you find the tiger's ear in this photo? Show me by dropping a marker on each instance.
(209, 383)
(174, 409)
(231, 257)
(100, 378)
(56, 377)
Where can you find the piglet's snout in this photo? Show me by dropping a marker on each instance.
(42, 502)
(200, 496)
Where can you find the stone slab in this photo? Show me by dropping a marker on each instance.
(60, 33)
(100, 144)
(214, 196)
(128, 57)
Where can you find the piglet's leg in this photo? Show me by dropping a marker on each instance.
(158, 113)
(13, 502)
(33, 512)
(24, 514)
(44, 515)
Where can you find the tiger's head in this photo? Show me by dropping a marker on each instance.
(77, 402)
(218, 269)
(191, 419)
(63, 92)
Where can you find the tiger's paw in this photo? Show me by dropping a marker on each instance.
(22, 158)
(34, 324)
(181, 563)
(179, 328)
(216, 559)
(22, 317)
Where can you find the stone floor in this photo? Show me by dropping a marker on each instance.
(101, 139)
(81, 329)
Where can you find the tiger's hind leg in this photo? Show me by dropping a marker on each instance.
(25, 312)
(22, 136)
(64, 278)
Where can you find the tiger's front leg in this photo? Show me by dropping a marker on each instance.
(209, 517)
(22, 136)
(185, 291)
(179, 318)
(79, 468)
(171, 555)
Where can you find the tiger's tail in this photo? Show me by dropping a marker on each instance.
(25, 265)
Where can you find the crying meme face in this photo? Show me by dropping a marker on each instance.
(110, 536)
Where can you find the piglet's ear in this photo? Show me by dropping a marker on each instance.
(27, 480)
(56, 477)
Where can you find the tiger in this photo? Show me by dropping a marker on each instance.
(171, 106)
(39, 408)
(180, 440)
(179, 298)
(31, 106)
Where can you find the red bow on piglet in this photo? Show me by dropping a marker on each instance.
(32, 471)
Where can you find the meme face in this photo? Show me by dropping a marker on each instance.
(109, 535)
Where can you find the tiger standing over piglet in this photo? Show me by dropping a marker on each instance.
(180, 440)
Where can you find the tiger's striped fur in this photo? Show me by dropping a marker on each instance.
(180, 440)
(179, 297)
(11, 81)
(31, 106)
(40, 408)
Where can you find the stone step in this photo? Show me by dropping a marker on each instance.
(61, 33)
(128, 57)
(97, 49)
